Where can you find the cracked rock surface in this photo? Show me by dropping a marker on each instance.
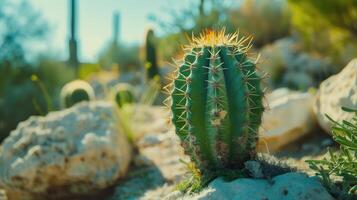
(71, 152)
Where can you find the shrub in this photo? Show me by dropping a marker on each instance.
(327, 27)
(338, 170)
(267, 20)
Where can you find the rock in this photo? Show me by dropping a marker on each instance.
(99, 88)
(337, 91)
(75, 151)
(150, 140)
(312, 148)
(287, 119)
(326, 142)
(279, 93)
(3, 195)
(149, 120)
(174, 195)
(298, 80)
(157, 171)
(254, 168)
(290, 186)
(141, 160)
(291, 67)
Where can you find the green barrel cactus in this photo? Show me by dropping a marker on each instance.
(123, 94)
(151, 65)
(75, 92)
(216, 101)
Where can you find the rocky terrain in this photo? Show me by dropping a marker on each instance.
(81, 152)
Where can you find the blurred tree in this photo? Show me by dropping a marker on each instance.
(341, 14)
(120, 55)
(20, 96)
(328, 27)
(15, 29)
(199, 15)
(265, 20)
(53, 74)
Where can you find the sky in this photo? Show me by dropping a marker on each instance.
(95, 23)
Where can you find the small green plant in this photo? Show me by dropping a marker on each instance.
(151, 92)
(151, 64)
(123, 94)
(338, 170)
(75, 92)
(46, 96)
(216, 103)
(127, 113)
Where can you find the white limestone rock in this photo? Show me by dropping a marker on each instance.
(337, 91)
(289, 186)
(74, 151)
(289, 117)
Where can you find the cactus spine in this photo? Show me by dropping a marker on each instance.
(123, 94)
(75, 92)
(151, 59)
(216, 101)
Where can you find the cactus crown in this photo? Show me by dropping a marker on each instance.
(210, 38)
(151, 64)
(75, 92)
(216, 101)
(123, 94)
(78, 95)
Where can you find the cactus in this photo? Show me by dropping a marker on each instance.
(74, 92)
(123, 94)
(72, 43)
(151, 60)
(216, 101)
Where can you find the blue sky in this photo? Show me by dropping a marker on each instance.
(95, 22)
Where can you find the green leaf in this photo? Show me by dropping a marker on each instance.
(349, 109)
(347, 143)
(349, 124)
(342, 164)
(353, 189)
(329, 118)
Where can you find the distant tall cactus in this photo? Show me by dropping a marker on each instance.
(73, 54)
(216, 101)
(123, 94)
(74, 92)
(151, 57)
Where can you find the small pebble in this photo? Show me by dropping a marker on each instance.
(150, 140)
(326, 142)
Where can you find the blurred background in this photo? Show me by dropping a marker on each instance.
(45, 44)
